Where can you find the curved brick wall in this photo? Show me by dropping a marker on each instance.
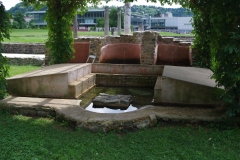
(121, 53)
(174, 54)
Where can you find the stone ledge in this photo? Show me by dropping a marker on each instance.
(70, 110)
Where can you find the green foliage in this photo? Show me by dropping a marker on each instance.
(3, 74)
(31, 24)
(4, 23)
(21, 23)
(157, 11)
(60, 39)
(4, 33)
(217, 41)
(15, 25)
(100, 22)
(113, 17)
(202, 33)
(225, 46)
(59, 19)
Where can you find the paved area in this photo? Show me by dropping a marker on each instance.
(16, 55)
(70, 110)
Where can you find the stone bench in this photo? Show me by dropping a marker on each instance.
(121, 53)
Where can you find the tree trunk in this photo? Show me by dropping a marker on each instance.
(75, 27)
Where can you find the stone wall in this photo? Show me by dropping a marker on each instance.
(26, 61)
(25, 48)
(147, 39)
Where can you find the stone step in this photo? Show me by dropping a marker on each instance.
(51, 81)
(134, 69)
(77, 88)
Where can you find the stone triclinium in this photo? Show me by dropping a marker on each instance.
(112, 101)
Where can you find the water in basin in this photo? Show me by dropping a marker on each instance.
(140, 97)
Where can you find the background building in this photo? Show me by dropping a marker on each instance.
(166, 22)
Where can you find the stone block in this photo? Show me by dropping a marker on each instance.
(122, 80)
(51, 81)
(186, 86)
(112, 101)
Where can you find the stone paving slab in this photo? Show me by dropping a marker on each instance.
(52, 69)
(70, 110)
(201, 76)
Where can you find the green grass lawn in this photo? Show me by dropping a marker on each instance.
(40, 35)
(30, 138)
(15, 70)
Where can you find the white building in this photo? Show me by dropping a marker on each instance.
(178, 24)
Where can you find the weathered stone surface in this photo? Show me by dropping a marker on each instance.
(148, 116)
(126, 80)
(174, 54)
(50, 81)
(81, 52)
(121, 53)
(186, 86)
(26, 48)
(112, 101)
(132, 69)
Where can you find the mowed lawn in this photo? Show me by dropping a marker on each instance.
(25, 137)
(41, 35)
(43, 138)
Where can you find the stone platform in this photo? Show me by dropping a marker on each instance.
(70, 110)
(186, 86)
(55, 81)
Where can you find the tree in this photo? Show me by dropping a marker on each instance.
(4, 33)
(31, 24)
(59, 19)
(15, 25)
(100, 22)
(19, 18)
(113, 17)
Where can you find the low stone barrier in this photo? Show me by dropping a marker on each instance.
(24, 48)
(26, 61)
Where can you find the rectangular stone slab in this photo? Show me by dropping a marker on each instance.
(112, 101)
